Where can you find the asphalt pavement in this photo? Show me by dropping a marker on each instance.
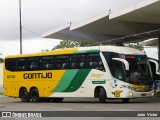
(84, 105)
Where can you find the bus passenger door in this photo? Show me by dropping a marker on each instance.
(117, 70)
(155, 69)
(156, 75)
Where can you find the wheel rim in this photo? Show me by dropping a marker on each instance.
(24, 95)
(34, 96)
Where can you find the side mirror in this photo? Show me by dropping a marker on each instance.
(125, 62)
(156, 64)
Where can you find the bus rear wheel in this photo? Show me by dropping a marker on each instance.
(24, 95)
(35, 95)
(102, 95)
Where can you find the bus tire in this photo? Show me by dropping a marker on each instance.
(102, 95)
(57, 100)
(125, 100)
(24, 95)
(35, 95)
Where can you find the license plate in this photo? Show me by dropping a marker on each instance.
(143, 94)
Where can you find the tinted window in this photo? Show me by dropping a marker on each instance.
(47, 63)
(108, 56)
(21, 64)
(78, 61)
(117, 70)
(62, 62)
(94, 61)
(153, 68)
(33, 63)
(10, 64)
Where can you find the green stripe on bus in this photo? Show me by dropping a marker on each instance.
(65, 80)
(87, 51)
(77, 80)
(99, 82)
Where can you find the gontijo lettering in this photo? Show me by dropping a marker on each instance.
(37, 75)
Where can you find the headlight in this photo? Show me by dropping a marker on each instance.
(131, 94)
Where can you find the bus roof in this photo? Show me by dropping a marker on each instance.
(115, 49)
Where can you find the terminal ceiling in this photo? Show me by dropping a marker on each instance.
(136, 23)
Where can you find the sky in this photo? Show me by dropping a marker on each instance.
(41, 16)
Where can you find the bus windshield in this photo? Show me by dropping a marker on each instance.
(139, 70)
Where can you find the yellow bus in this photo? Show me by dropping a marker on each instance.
(96, 72)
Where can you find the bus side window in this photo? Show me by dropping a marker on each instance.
(49, 66)
(74, 65)
(78, 61)
(33, 63)
(21, 64)
(153, 68)
(117, 70)
(94, 61)
(62, 62)
(34, 66)
(108, 56)
(10, 64)
(82, 65)
(43, 64)
(47, 63)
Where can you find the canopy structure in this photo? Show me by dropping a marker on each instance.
(151, 42)
(136, 23)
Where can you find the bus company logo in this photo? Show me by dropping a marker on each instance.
(37, 75)
(117, 93)
(96, 75)
(6, 114)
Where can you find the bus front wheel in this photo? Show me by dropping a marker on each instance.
(102, 95)
(35, 95)
(24, 95)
